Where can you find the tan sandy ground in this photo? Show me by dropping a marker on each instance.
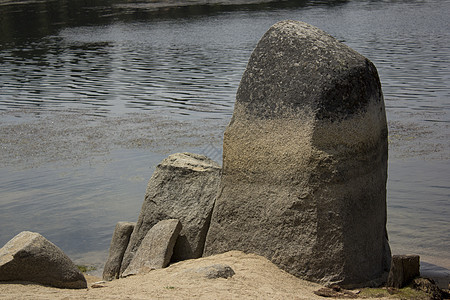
(255, 278)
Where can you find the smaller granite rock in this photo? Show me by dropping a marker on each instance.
(31, 257)
(119, 243)
(429, 286)
(156, 248)
(98, 284)
(216, 271)
(183, 187)
(335, 291)
(404, 268)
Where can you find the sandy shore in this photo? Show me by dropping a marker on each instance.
(255, 278)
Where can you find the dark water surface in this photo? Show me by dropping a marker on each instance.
(94, 95)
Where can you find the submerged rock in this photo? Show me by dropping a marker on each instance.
(183, 187)
(31, 257)
(119, 243)
(305, 161)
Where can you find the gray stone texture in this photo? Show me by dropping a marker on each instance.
(305, 161)
(31, 257)
(404, 268)
(183, 187)
(156, 248)
(430, 287)
(119, 243)
(216, 271)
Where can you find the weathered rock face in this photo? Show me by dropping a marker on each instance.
(31, 257)
(183, 187)
(156, 248)
(305, 161)
(119, 243)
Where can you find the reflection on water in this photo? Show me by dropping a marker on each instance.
(124, 67)
(74, 75)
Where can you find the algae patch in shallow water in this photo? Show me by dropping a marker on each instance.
(73, 136)
(84, 268)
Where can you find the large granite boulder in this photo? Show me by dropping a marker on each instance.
(183, 187)
(31, 257)
(156, 248)
(305, 161)
(119, 243)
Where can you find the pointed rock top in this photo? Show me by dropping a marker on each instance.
(297, 71)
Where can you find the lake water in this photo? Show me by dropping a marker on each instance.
(94, 95)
